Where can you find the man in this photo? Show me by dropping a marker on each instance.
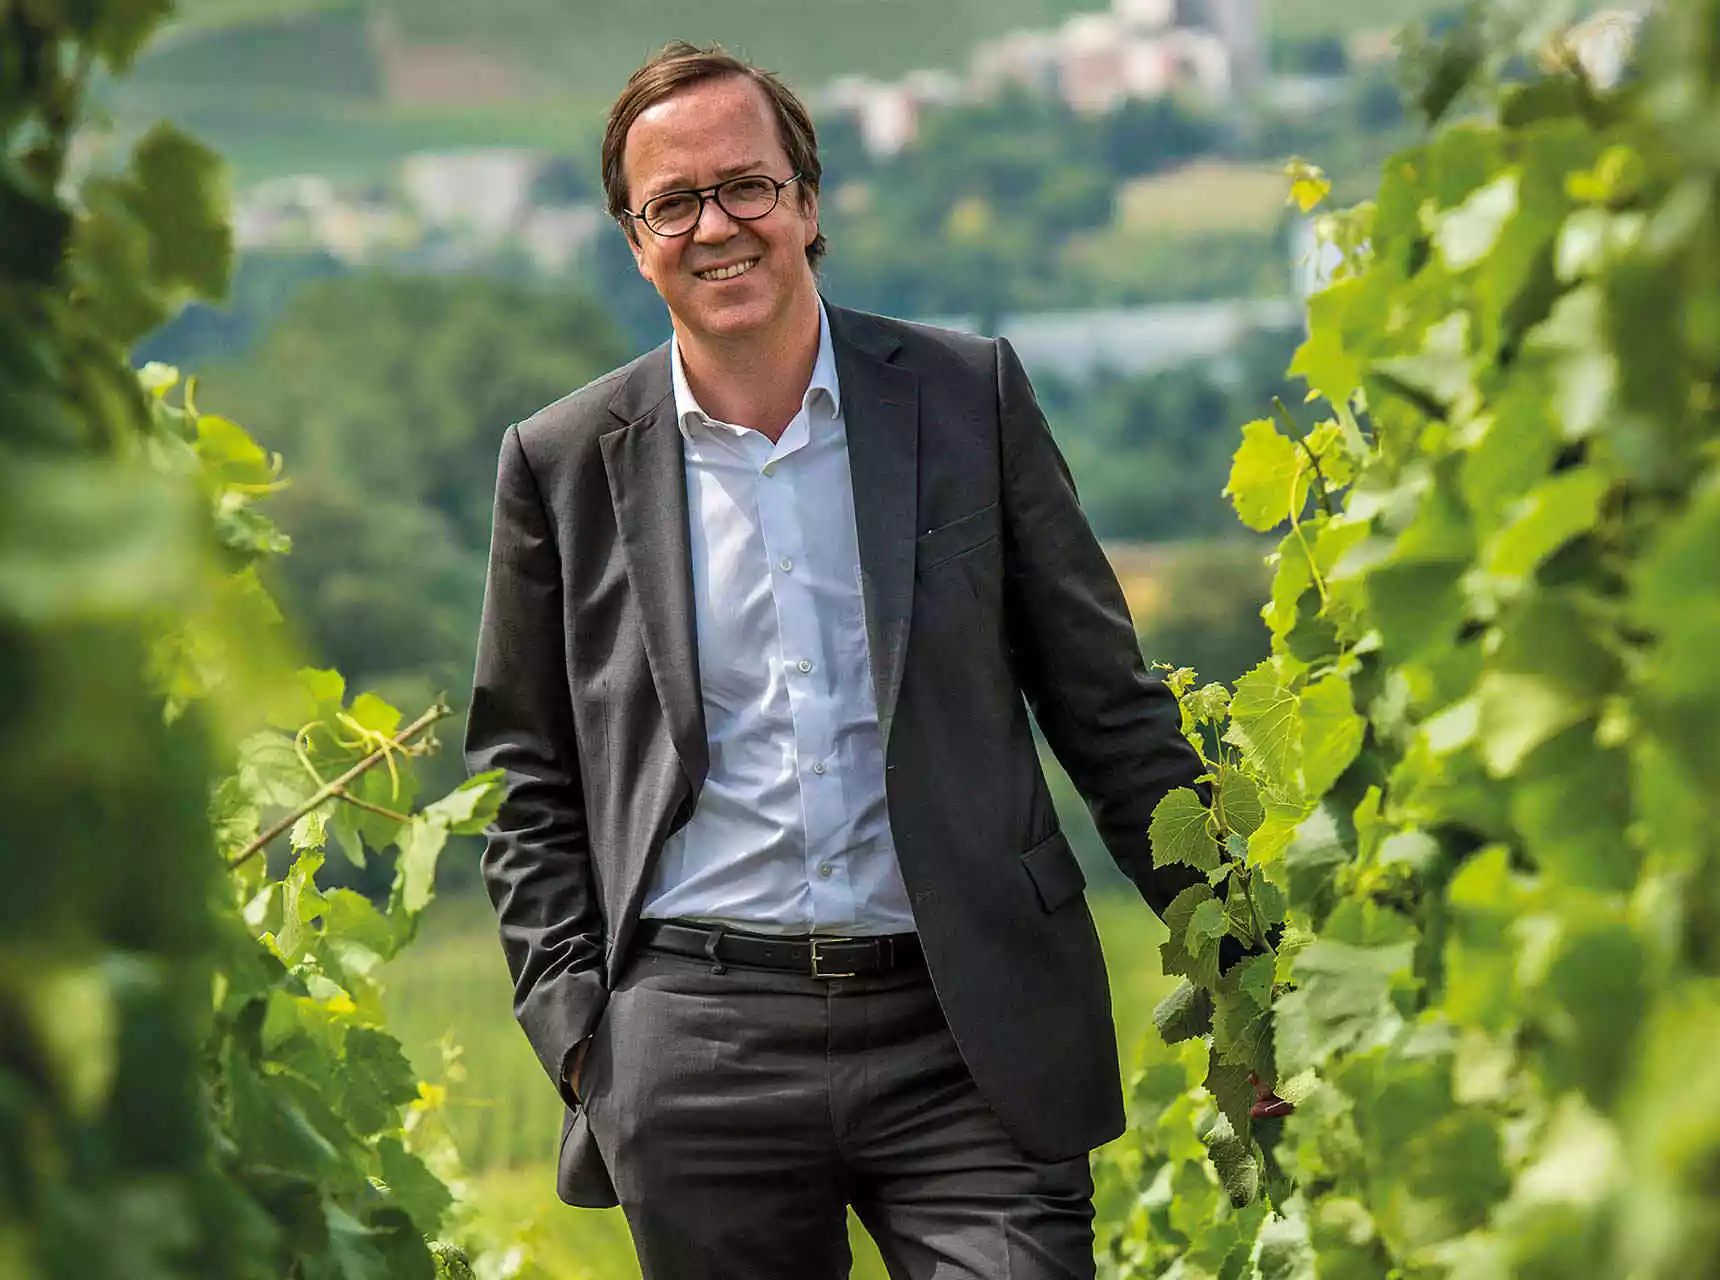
(790, 919)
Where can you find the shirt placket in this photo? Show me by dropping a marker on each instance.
(828, 887)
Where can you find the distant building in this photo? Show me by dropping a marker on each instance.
(486, 191)
(888, 114)
(1022, 59)
(1104, 60)
(306, 212)
(1146, 17)
(1238, 27)
(1201, 61)
(554, 236)
(1094, 62)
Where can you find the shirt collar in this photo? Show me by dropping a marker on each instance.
(688, 412)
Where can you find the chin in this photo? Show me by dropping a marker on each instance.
(735, 317)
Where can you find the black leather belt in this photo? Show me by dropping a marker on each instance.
(815, 957)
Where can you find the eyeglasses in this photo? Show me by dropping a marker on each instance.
(745, 199)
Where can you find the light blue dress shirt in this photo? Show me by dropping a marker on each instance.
(791, 833)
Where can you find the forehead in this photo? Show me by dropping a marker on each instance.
(701, 134)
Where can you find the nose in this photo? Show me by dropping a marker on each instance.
(714, 225)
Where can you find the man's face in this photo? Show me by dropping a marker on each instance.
(703, 135)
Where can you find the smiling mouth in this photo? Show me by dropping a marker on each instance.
(729, 272)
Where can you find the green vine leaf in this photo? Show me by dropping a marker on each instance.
(1331, 733)
(1242, 1018)
(1265, 723)
(1181, 832)
(1269, 477)
(1240, 810)
(1183, 1014)
(1198, 962)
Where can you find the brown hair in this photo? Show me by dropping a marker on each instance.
(679, 65)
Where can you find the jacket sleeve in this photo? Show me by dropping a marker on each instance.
(1111, 724)
(537, 862)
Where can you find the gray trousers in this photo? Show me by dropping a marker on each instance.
(740, 1113)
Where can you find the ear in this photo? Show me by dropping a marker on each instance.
(809, 206)
(630, 232)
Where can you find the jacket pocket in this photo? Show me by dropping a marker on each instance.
(958, 537)
(1057, 876)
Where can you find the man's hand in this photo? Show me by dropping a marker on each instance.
(578, 1066)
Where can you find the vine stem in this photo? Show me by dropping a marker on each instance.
(1301, 438)
(374, 808)
(1254, 913)
(336, 790)
(1296, 527)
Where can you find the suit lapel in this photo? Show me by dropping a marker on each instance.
(881, 413)
(648, 485)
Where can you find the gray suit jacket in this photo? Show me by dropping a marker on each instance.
(985, 593)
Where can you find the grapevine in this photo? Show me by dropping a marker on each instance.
(1474, 778)
(195, 1078)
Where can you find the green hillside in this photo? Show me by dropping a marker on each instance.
(588, 46)
(285, 85)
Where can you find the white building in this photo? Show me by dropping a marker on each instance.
(888, 114)
(1238, 27)
(1022, 59)
(1103, 62)
(1145, 17)
(307, 212)
(554, 235)
(486, 192)
(1093, 62)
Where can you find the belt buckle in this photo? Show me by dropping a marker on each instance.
(819, 973)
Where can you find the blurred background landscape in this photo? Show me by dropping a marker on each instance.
(424, 260)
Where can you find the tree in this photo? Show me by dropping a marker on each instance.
(394, 444)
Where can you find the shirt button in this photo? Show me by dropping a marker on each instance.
(805, 665)
(825, 871)
(818, 766)
(785, 564)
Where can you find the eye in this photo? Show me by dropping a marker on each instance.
(673, 207)
(750, 190)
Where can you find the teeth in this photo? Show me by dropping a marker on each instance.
(728, 273)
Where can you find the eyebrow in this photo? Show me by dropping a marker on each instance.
(728, 171)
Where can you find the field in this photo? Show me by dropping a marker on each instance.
(1207, 195)
(506, 1117)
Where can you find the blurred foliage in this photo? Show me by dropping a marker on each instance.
(1150, 452)
(264, 283)
(970, 219)
(394, 446)
(1475, 778)
(1209, 608)
(106, 941)
(194, 1079)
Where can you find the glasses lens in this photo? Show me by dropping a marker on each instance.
(751, 197)
(671, 214)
